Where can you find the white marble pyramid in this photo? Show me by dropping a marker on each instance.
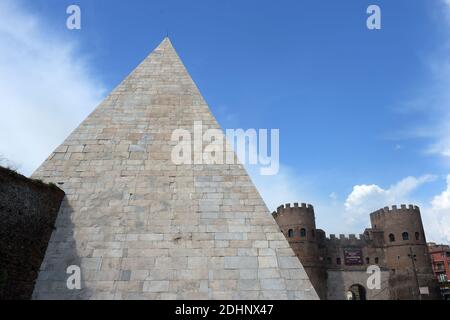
(140, 226)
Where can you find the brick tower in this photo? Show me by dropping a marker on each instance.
(406, 251)
(142, 227)
(298, 224)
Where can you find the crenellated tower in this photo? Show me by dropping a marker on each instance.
(298, 224)
(406, 252)
(338, 265)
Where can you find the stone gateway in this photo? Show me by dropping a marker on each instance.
(389, 261)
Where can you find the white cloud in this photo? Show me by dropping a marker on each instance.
(442, 201)
(436, 216)
(45, 87)
(352, 216)
(365, 199)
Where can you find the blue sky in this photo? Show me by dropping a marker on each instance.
(362, 114)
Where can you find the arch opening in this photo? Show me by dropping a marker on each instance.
(356, 292)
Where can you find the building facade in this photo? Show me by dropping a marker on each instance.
(440, 258)
(343, 267)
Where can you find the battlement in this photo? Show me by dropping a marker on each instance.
(288, 206)
(346, 238)
(296, 208)
(395, 209)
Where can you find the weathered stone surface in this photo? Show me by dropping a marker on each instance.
(158, 230)
(28, 211)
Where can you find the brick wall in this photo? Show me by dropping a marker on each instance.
(28, 209)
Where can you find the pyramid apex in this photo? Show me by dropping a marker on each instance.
(165, 42)
(166, 39)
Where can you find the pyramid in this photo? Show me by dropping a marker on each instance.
(140, 226)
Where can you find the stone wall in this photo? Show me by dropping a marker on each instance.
(28, 209)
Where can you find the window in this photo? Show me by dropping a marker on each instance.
(417, 235)
(328, 260)
(338, 260)
(442, 277)
(448, 265)
(290, 233)
(448, 254)
(376, 260)
(313, 233)
(391, 238)
(302, 232)
(367, 260)
(405, 236)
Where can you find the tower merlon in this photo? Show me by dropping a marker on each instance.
(295, 208)
(343, 238)
(394, 209)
